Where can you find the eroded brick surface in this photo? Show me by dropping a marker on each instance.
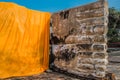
(78, 39)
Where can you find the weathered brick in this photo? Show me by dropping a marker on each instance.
(89, 14)
(91, 6)
(86, 54)
(99, 29)
(100, 55)
(99, 73)
(79, 39)
(86, 60)
(100, 39)
(86, 67)
(77, 49)
(100, 61)
(99, 47)
(92, 21)
(100, 67)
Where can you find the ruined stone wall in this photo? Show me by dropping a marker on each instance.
(78, 39)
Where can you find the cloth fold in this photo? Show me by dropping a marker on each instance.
(24, 40)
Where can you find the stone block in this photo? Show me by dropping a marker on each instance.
(79, 39)
(100, 55)
(99, 47)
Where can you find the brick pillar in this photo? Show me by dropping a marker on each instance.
(78, 39)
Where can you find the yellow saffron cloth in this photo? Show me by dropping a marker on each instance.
(24, 40)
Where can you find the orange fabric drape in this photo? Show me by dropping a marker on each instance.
(24, 40)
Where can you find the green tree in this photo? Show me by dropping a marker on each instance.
(114, 25)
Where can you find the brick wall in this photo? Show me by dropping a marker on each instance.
(78, 39)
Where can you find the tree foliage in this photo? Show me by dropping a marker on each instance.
(114, 25)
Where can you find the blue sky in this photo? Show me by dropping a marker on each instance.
(57, 5)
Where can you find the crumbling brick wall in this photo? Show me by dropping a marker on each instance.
(78, 39)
